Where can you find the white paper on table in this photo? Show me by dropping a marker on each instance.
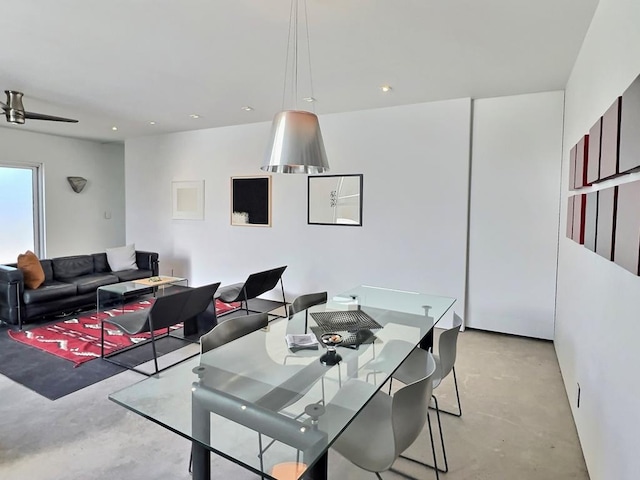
(301, 340)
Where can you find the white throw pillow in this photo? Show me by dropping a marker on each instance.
(122, 258)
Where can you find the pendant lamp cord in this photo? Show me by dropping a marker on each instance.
(286, 60)
(293, 39)
(306, 24)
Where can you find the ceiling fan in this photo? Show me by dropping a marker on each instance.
(15, 113)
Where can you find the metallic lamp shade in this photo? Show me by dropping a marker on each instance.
(296, 144)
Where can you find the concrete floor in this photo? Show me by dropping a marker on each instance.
(516, 425)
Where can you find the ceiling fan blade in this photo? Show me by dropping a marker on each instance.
(42, 116)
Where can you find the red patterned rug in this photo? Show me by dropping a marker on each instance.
(78, 339)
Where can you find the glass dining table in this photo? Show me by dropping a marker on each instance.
(267, 406)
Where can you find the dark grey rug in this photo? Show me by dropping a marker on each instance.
(54, 377)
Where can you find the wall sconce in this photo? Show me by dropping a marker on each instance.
(77, 183)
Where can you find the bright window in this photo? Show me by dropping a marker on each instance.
(19, 212)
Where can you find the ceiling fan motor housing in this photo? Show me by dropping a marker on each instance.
(15, 110)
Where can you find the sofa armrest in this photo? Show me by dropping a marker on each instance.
(11, 289)
(147, 261)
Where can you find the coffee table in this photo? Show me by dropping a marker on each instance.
(107, 296)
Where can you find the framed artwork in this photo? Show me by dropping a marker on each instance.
(605, 222)
(187, 199)
(251, 201)
(629, 159)
(610, 141)
(335, 200)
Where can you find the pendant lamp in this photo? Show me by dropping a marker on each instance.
(296, 144)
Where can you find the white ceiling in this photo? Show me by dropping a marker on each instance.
(129, 62)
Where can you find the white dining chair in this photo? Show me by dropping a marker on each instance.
(445, 360)
(387, 425)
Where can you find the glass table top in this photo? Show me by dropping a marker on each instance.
(254, 394)
(123, 288)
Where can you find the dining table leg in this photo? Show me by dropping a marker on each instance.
(201, 462)
(200, 429)
(319, 470)
(427, 342)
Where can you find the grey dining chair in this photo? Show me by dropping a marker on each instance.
(305, 301)
(445, 360)
(228, 331)
(387, 425)
(232, 329)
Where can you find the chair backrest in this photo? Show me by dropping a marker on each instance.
(231, 329)
(262, 282)
(198, 301)
(305, 301)
(409, 408)
(447, 347)
(166, 310)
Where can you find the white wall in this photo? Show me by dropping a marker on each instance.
(74, 223)
(597, 328)
(415, 161)
(513, 233)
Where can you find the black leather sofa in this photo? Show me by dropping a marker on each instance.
(70, 284)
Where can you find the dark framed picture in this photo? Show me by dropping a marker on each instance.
(335, 200)
(251, 201)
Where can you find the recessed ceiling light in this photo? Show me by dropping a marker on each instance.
(114, 128)
(152, 123)
(309, 99)
(247, 108)
(193, 115)
(385, 88)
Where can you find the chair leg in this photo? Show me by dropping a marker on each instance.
(246, 300)
(191, 461)
(433, 452)
(444, 451)
(455, 382)
(260, 453)
(433, 448)
(284, 300)
(155, 353)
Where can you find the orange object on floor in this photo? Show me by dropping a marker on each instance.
(288, 470)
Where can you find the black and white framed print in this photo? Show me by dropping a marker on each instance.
(335, 200)
(251, 201)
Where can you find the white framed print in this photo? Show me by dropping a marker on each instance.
(187, 199)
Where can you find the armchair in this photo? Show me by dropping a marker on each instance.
(166, 311)
(256, 284)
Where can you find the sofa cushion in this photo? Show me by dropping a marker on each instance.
(128, 275)
(65, 268)
(31, 269)
(122, 258)
(49, 291)
(89, 283)
(47, 266)
(100, 264)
